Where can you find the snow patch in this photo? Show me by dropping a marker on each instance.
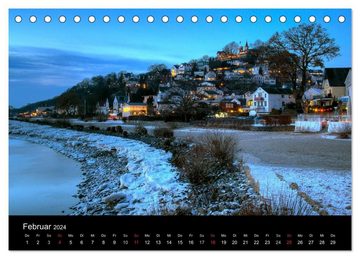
(332, 189)
(308, 126)
(339, 127)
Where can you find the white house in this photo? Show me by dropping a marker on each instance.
(348, 90)
(312, 93)
(267, 98)
(348, 84)
(115, 105)
(263, 79)
(103, 109)
(229, 75)
(334, 81)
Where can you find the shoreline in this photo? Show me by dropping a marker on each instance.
(113, 170)
(120, 181)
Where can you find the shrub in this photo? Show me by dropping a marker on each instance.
(277, 119)
(163, 133)
(343, 135)
(79, 127)
(119, 129)
(140, 130)
(125, 134)
(101, 117)
(198, 166)
(254, 184)
(62, 123)
(286, 205)
(279, 205)
(275, 112)
(285, 120)
(220, 146)
(207, 160)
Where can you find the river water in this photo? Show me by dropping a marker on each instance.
(41, 181)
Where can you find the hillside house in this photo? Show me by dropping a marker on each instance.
(312, 93)
(334, 82)
(210, 76)
(134, 109)
(267, 98)
(232, 105)
(103, 108)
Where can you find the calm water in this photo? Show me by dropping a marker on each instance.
(41, 181)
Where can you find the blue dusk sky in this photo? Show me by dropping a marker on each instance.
(45, 59)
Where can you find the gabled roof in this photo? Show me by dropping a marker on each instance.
(336, 76)
(276, 90)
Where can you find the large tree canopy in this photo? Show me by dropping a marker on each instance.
(310, 44)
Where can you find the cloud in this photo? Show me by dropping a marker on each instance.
(61, 67)
(40, 70)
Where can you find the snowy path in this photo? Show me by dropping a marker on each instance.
(318, 164)
(330, 189)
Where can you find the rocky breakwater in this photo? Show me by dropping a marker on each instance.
(121, 176)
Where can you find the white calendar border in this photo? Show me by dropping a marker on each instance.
(208, 4)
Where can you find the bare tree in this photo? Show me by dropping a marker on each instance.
(157, 68)
(231, 48)
(186, 106)
(258, 43)
(310, 44)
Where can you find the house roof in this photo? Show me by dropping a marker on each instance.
(276, 90)
(336, 76)
(137, 104)
(211, 92)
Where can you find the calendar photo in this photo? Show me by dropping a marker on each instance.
(169, 116)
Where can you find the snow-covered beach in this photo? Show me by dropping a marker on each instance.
(122, 176)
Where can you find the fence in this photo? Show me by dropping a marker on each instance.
(323, 117)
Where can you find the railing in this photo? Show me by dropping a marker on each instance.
(323, 117)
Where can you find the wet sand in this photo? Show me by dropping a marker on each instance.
(41, 181)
